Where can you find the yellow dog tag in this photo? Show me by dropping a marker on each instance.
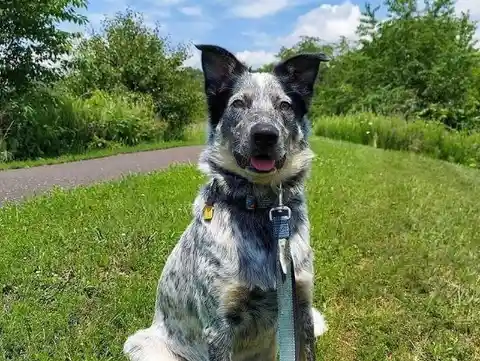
(207, 212)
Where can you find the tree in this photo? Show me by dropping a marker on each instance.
(127, 54)
(306, 44)
(420, 60)
(29, 40)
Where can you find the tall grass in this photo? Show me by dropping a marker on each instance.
(122, 117)
(430, 138)
(48, 123)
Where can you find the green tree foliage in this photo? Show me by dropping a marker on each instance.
(30, 41)
(127, 54)
(123, 85)
(32, 54)
(419, 61)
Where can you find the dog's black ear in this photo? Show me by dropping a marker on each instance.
(219, 67)
(299, 73)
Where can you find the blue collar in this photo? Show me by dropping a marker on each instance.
(248, 202)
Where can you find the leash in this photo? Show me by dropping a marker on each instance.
(287, 341)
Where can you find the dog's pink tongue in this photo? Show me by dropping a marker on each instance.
(263, 165)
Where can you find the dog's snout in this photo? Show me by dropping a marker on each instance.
(264, 135)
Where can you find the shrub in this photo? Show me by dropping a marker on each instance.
(121, 117)
(430, 138)
(51, 122)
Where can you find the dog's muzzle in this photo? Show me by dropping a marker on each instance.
(264, 156)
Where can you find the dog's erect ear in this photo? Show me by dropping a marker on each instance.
(219, 67)
(299, 73)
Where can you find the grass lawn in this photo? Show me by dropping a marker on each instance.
(396, 240)
(195, 136)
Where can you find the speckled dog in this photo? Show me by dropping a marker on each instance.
(216, 298)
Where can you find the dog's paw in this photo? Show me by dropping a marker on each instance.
(319, 324)
(146, 345)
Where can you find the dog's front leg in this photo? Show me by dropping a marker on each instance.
(219, 342)
(306, 332)
(305, 326)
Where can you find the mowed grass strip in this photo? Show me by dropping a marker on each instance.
(98, 153)
(396, 241)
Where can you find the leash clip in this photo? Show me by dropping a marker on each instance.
(280, 216)
(283, 213)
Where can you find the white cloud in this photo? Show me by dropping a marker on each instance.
(256, 59)
(472, 5)
(259, 39)
(194, 61)
(255, 9)
(191, 10)
(165, 2)
(162, 13)
(327, 22)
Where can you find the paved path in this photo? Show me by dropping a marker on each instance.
(19, 183)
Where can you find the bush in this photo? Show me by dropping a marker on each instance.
(51, 122)
(430, 138)
(128, 54)
(121, 117)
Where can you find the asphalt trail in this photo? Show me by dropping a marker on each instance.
(19, 184)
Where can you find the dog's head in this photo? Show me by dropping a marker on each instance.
(257, 121)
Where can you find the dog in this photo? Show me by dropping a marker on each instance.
(216, 297)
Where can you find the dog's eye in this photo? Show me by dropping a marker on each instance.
(285, 106)
(238, 103)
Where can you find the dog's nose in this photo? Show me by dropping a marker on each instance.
(264, 135)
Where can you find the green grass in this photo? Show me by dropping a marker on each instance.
(396, 253)
(429, 138)
(194, 136)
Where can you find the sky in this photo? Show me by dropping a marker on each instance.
(254, 30)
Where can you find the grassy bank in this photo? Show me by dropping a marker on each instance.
(431, 139)
(396, 255)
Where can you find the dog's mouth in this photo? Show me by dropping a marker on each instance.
(260, 163)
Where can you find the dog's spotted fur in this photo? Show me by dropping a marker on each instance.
(216, 298)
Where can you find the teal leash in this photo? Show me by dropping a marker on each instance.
(287, 340)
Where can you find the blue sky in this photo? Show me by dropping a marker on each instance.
(253, 29)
